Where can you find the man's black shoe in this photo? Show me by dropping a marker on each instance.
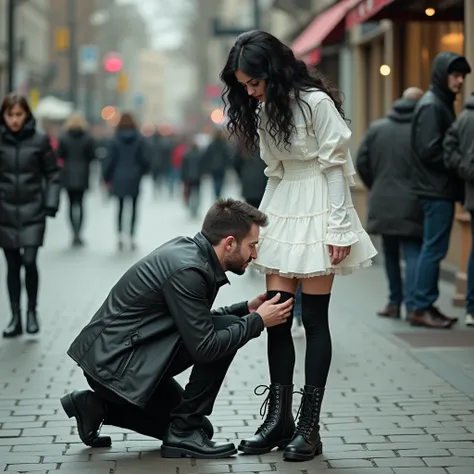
(193, 444)
(89, 411)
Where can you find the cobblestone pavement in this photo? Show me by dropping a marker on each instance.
(383, 413)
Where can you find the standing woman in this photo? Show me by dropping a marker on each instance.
(314, 231)
(76, 149)
(127, 161)
(29, 191)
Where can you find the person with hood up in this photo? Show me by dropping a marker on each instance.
(395, 213)
(127, 161)
(459, 156)
(437, 187)
(29, 193)
(76, 149)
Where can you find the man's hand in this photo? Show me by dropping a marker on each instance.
(273, 313)
(256, 302)
(338, 254)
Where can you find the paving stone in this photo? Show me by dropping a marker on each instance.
(418, 470)
(399, 462)
(449, 461)
(31, 467)
(344, 463)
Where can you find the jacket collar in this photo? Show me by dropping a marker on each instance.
(210, 254)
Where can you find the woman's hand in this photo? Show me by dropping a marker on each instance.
(338, 254)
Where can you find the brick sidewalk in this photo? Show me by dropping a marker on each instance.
(383, 413)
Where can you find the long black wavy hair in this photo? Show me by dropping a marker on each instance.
(263, 57)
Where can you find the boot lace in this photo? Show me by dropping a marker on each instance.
(308, 413)
(270, 406)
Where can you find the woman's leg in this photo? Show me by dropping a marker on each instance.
(278, 427)
(133, 222)
(316, 293)
(120, 221)
(31, 283)
(13, 259)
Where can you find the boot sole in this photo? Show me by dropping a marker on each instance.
(251, 450)
(11, 335)
(71, 411)
(303, 457)
(172, 452)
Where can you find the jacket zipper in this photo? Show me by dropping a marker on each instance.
(133, 340)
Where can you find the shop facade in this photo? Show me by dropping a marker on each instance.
(394, 43)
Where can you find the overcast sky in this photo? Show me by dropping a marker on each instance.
(166, 18)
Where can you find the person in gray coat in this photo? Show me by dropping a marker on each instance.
(384, 165)
(459, 157)
(76, 149)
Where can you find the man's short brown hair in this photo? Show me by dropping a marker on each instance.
(231, 217)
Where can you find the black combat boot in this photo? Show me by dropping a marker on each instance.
(14, 327)
(32, 326)
(279, 425)
(90, 412)
(306, 442)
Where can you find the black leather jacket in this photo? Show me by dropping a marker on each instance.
(160, 303)
(434, 114)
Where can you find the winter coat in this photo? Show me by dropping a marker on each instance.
(217, 157)
(459, 150)
(250, 168)
(192, 167)
(29, 185)
(384, 163)
(127, 161)
(77, 150)
(434, 114)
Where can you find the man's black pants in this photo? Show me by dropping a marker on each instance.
(170, 403)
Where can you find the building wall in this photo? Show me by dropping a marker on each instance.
(152, 83)
(31, 44)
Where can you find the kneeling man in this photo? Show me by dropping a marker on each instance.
(156, 323)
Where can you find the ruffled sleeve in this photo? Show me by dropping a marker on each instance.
(333, 137)
(274, 171)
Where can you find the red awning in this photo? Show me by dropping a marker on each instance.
(321, 27)
(364, 10)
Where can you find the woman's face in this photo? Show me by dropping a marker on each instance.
(255, 87)
(15, 118)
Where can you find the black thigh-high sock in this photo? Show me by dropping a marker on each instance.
(315, 309)
(280, 349)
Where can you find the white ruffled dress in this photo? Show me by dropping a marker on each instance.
(307, 199)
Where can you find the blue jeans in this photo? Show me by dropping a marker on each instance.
(470, 273)
(438, 221)
(411, 248)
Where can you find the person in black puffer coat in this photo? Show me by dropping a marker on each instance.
(29, 191)
(77, 150)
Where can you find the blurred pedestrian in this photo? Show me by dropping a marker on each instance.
(437, 187)
(250, 170)
(76, 150)
(191, 175)
(217, 160)
(314, 231)
(126, 164)
(459, 157)
(29, 192)
(385, 166)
